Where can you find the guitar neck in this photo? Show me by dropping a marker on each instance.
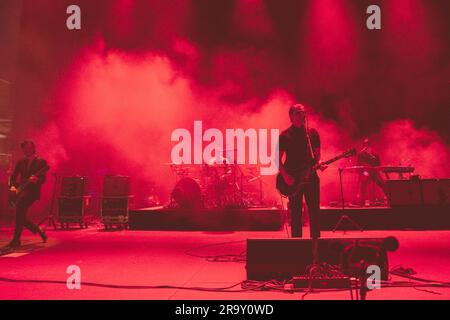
(330, 161)
(345, 154)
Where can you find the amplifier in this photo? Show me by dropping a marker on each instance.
(404, 192)
(419, 192)
(116, 186)
(73, 186)
(436, 191)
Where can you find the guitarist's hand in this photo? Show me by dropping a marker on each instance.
(34, 179)
(13, 189)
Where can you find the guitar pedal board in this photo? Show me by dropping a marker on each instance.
(323, 282)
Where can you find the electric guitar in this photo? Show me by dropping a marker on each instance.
(21, 190)
(301, 177)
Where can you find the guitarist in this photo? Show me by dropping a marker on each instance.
(30, 169)
(301, 147)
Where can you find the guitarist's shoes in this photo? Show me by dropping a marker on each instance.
(14, 244)
(43, 235)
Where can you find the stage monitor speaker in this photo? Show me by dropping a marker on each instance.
(404, 192)
(282, 259)
(436, 191)
(116, 186)
(73, 186)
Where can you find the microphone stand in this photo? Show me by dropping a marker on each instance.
(315, 241)
(308, 138)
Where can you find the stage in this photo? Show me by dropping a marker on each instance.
(162, 137)
(161, 218)
(160, 258)
(419, 217)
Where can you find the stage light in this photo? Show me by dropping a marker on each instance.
(252, 18)
(122, 18)
(331, 42)
(412, 34)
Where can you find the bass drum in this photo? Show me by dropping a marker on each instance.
(187, 194)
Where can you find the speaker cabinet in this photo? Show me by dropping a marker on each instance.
(282, 259)
(116, 186)
(73, 186)
(404, 192)
(419, 192)
(436, 191)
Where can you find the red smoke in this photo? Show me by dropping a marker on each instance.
(118, 112)
(331, 42)
(116, 105)
(402, 143)
(251, 18)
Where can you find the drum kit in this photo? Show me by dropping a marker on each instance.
(217, 184)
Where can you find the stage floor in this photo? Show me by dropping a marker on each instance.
(162, 258)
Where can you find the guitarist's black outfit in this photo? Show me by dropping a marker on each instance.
(294, 143)
(24, 169)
